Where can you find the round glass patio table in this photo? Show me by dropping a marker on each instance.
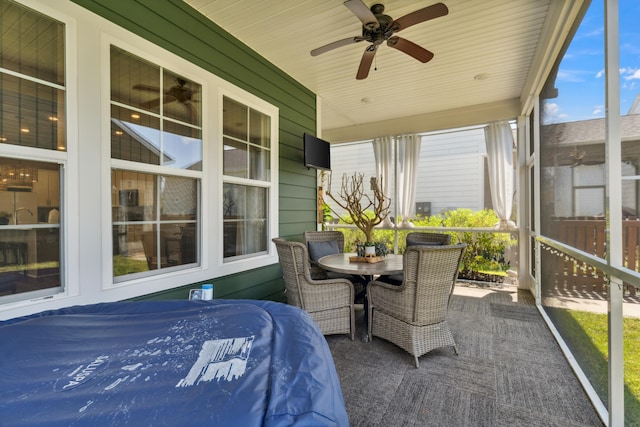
(340, 263)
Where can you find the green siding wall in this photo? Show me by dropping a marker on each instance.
(180, 29)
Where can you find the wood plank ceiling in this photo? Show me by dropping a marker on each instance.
(484, 51)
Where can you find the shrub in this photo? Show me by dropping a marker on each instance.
(485, 251)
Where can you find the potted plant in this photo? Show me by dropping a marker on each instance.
(5, 217)
(369, 249)
(366, 211)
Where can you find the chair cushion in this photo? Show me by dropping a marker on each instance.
(411, 242)
(319, 249)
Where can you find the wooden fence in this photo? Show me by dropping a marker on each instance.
(588, 235)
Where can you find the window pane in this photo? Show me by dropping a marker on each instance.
(259, 160)
(181, 99)
(132, 254)
(148, 236)
(29, 255)
(145, 138)
(245, 220)
(182, 146)
(178, 198)
(235, 119)
(31, 114)
(134, 81)
(133, 196)
(135, 136)
(31, 44)
(260, 132)
(235, 158)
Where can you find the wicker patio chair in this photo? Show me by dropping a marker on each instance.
(329, 302)
(423, 238)
(416, 239)
(413, 315)
(312, 238)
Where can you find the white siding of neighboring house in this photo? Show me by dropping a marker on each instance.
(450, 170)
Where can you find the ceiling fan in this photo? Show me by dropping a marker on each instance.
(378, 28)
(179, 93)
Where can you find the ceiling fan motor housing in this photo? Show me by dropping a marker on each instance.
(384, 31)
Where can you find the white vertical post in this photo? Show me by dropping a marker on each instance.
(536, 223)
(523, 204)
(614, 212)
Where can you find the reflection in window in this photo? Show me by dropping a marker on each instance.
(156, 122)
(154, 221)
(247, 142)
(32, 115)
(246, 160)
(29, 228)
(32, 111)
(155, 114)
(245, 220)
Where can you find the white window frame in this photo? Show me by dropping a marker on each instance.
(86, 192)
(234, 264)
(68, 159)
(212, 263)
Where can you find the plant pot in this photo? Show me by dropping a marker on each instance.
(369, 251)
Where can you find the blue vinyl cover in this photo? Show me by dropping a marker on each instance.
(168, 363)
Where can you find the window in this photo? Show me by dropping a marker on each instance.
(32, 117)
(156, 152)
(247, 179)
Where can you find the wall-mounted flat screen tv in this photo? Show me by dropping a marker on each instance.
(317, 153)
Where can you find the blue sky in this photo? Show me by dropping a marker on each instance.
(580, 80)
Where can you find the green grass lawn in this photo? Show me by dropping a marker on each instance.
(586, 335)
(125, 265)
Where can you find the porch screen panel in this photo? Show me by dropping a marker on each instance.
(572, 200)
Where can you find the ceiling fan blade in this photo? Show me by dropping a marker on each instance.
(362, 12)
(150, 105)
(147, 88)
(336, 44)
(410, 48)
(365, 62)
(430, 12)
(191, 111)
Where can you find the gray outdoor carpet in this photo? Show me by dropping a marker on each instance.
(509, 371)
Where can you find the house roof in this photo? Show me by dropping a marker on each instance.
(490, 57)
(590, 131)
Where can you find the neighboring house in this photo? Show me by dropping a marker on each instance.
(457, 157)
(576, 167)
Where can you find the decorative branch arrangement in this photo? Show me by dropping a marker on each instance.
(356, 202)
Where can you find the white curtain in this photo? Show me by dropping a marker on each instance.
(499, 140)
(408, 159)
(383, 152)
